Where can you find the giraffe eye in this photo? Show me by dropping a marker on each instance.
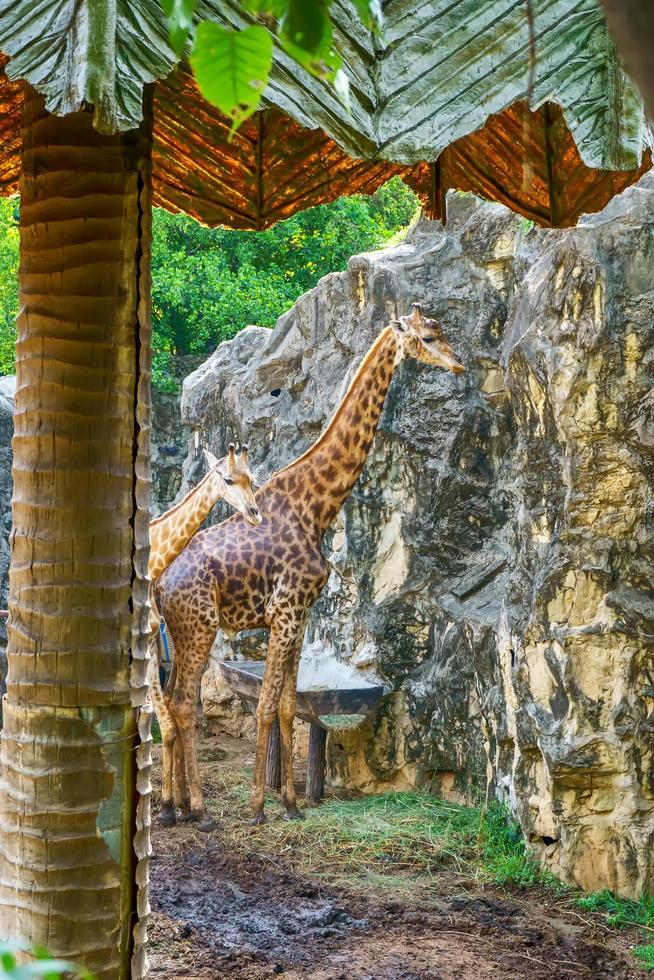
(228, 480)
(429, 339)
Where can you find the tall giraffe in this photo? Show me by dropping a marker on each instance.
(236, 577)
(231, 479)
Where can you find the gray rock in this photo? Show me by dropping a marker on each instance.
(169, 441)
(492, 565)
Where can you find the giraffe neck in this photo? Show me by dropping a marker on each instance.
(320, 481)
(172, 531)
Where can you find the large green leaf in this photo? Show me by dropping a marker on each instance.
(306, 34)
(370, 12)
(271, 8)
(232, 67)
(180, 21)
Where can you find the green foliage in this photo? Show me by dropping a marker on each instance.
(180, 21)
(621, 912)
(230, 66)
(8, 282)
(503, 850)
(305, 32)
(42, 965)
(625, 913)
(155, 730)
(207, 284)
(645, 956)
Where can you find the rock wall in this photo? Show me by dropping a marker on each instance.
(579, 351)
(493, 563)
(169, 440)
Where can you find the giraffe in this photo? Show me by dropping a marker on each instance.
(231, 479)
(236, 577)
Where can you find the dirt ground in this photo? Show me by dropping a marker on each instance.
(221, 909)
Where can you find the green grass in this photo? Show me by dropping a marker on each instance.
(389, 835)
(645, 956)
(400, 840)
(625, 913)
(621, 912)
(155, 731)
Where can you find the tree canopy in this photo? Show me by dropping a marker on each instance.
(207, 284)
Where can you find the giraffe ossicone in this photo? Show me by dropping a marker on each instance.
(236, 576)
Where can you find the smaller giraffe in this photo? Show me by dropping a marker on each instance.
(228, 478)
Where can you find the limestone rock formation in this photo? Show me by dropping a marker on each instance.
(168, 440)
(579, 351)
(493, 563)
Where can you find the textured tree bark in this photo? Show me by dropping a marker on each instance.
(74, 794)
(316, 764)
(274, 760)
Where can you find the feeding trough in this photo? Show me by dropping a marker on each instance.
(334, 703)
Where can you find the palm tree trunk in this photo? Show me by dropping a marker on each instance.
(74, 788)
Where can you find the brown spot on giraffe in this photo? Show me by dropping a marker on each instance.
(292, 523)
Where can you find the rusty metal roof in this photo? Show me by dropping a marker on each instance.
(440, 97)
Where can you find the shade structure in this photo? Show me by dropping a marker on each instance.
(273, 166)
(535, 112)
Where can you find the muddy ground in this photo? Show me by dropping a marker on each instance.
(223, 909)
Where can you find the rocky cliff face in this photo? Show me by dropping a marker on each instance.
(493, 563)
(169, 440)
(579, 351)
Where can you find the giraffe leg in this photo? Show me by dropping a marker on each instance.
(286, 717)
(170, 683)
(183, 708)
(281, 647)
(174, 760)
(168, 737)
(180, 786)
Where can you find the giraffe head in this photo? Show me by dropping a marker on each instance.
(235, 481)
(423, 338)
